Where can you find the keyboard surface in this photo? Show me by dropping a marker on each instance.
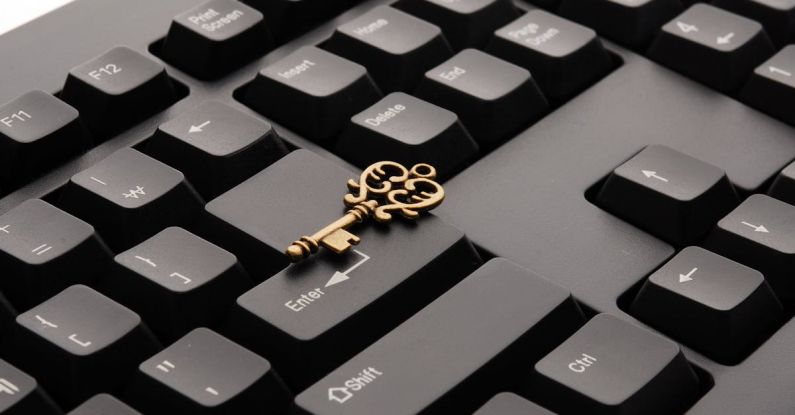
(618, 232)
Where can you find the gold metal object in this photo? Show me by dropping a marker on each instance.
(383, 188)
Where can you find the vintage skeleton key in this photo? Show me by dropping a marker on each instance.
(403, 191)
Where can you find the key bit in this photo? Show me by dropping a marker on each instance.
(383, 188)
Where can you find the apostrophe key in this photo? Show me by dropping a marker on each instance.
(312, 92)
(465, 23)
(668, 193)
(20, 394)
(216, 37)
(459, 367)
(37, 131)
(709, 303)
(760, 233)
(631, 22)
(288, 18)
(563, 56)
(495, 99)
(771, 88)
(130, 197)
(712, 46)
(216, 146)
(783, 187)
(103, 404)
(118, 89)
(777, 16)
(43, 250)
(177, 281)
(407, 130)
(611, 366)
(301, 317)
(204, 373)
(91, 343)
(396, 47)
(507, 403)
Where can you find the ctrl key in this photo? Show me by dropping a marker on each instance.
(204, 373)
(611, 366)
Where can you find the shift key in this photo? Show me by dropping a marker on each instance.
(456, 353)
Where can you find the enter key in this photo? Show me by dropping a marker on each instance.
(314, 315)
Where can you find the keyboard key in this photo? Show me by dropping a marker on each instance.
(177, 281)
(118, 89)
(507, 403)
(20, 394)
(288, 18)
(79, 343)
(103, 404)
(43, 250)
(301, 317)
(775, 15)
(130, 197)
(407, 130)
(712, 46)
(631, 22)
(216, 146)
(710, 303)
(312, 92)
(257, 227)
(495, 99)
(670, 194)
(465, 23)
(37, 132)
(396, 47)
(563, 56)
(204, 373)
(471, 343)
(216, 37)
(760, 233)
(783, 188)
(771, 88)
(611, 366)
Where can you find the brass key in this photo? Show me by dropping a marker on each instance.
(404, 191)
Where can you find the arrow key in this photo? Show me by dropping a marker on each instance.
(760, 233)
(712, 46)
(710, 303)
(668, 193)
(216, 146)
(771, 88)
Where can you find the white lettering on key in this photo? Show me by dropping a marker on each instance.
(297, 69)
(453, 75)
(109, 69)
(371, 28)
(341, 394)
(580, 365)
(20, 115)
(385, 116)
(73, 338)
(304, 300)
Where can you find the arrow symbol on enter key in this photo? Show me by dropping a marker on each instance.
(198, 128)
(339, 277)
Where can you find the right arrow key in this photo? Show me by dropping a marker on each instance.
(760, 233)
(710, 303)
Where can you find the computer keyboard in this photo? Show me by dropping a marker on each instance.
(617, 236)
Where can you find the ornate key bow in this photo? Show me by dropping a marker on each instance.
(384, 189)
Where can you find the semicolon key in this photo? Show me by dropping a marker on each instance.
(44, 250)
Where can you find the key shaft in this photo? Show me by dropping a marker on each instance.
(308, 245)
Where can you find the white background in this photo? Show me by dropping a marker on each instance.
(16, 12)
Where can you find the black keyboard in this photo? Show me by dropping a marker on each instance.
(618, 233)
